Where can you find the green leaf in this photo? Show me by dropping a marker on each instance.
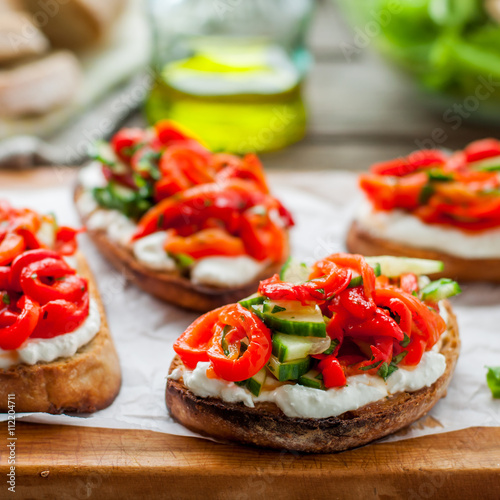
(277, 309)
(333, 346)
(425, 194)
(369, 367)
(397, 359)
(223, 341)
(493, 379)
(182, 260)
(406, 341)
(6, 298)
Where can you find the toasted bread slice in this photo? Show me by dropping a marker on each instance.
(19, 37)
(88, 381)
(171, 286)
(39, 85)
(267, 426)
(76, 24)
(458, 268)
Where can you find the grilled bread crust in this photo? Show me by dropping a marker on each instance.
(86, 382)
(458, 268)
(267, 426)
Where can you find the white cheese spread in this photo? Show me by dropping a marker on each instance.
(226, 271)
(63, 346)
(405, 228)
(305, 402)
(150, 252)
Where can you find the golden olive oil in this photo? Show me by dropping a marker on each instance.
(237, 96)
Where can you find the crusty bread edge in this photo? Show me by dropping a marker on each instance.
(266, 426)
(170, 286)
(86, 382)
(461, 269)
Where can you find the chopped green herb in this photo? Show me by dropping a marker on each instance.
(321, 290)
(161, 218)
(493, 379)
(369, 367)
(6, 298)
(405, 342)
(182, 260)
(277, 309)
(425, 194)
(397, 359)
(386, 370)
(333, 346)
(223, 341)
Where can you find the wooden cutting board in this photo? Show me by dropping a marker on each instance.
(57, 462)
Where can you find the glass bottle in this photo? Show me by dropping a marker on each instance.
(231, 71)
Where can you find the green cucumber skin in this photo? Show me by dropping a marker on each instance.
(358, 280)
(292, 370)
(283, 351)
(253, 300)
(299, 328)
(405, 265)
(310, 380)
(254, 384)
(287, 274)
(440, 289)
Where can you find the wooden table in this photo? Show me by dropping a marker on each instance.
(360, 112)
(74, 462)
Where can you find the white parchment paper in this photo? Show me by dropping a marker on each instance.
(144, 328)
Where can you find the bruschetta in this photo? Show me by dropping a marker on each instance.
(435, 205)
(191, 227)
(56, 352)
(320, 359)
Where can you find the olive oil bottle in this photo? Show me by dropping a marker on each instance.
(234, 81)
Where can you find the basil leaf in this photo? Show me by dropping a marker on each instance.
(397, 359)
(406, 341)
(493, 379)
(369, 367)
(333, 346)
(277, 309)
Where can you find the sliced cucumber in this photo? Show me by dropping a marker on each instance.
(254, 384)
(487, 165)
(253, 300)
(292, 319)
(393, 267)
(440, 289)
(358, 280)
(102, 152)
(295, 272)
(289, 347)
(312, 378)
(291, 370)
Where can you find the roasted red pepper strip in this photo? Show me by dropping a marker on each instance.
(52, 279)
(409, 282)
(66, 240)
(61, 316)
(380, 325)
(25, 259)
(333, 373)
(10, 247)
(331, 279)
(192, 345)
(255, 356)
(5, 278)
(13, 336)
(194, 206)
